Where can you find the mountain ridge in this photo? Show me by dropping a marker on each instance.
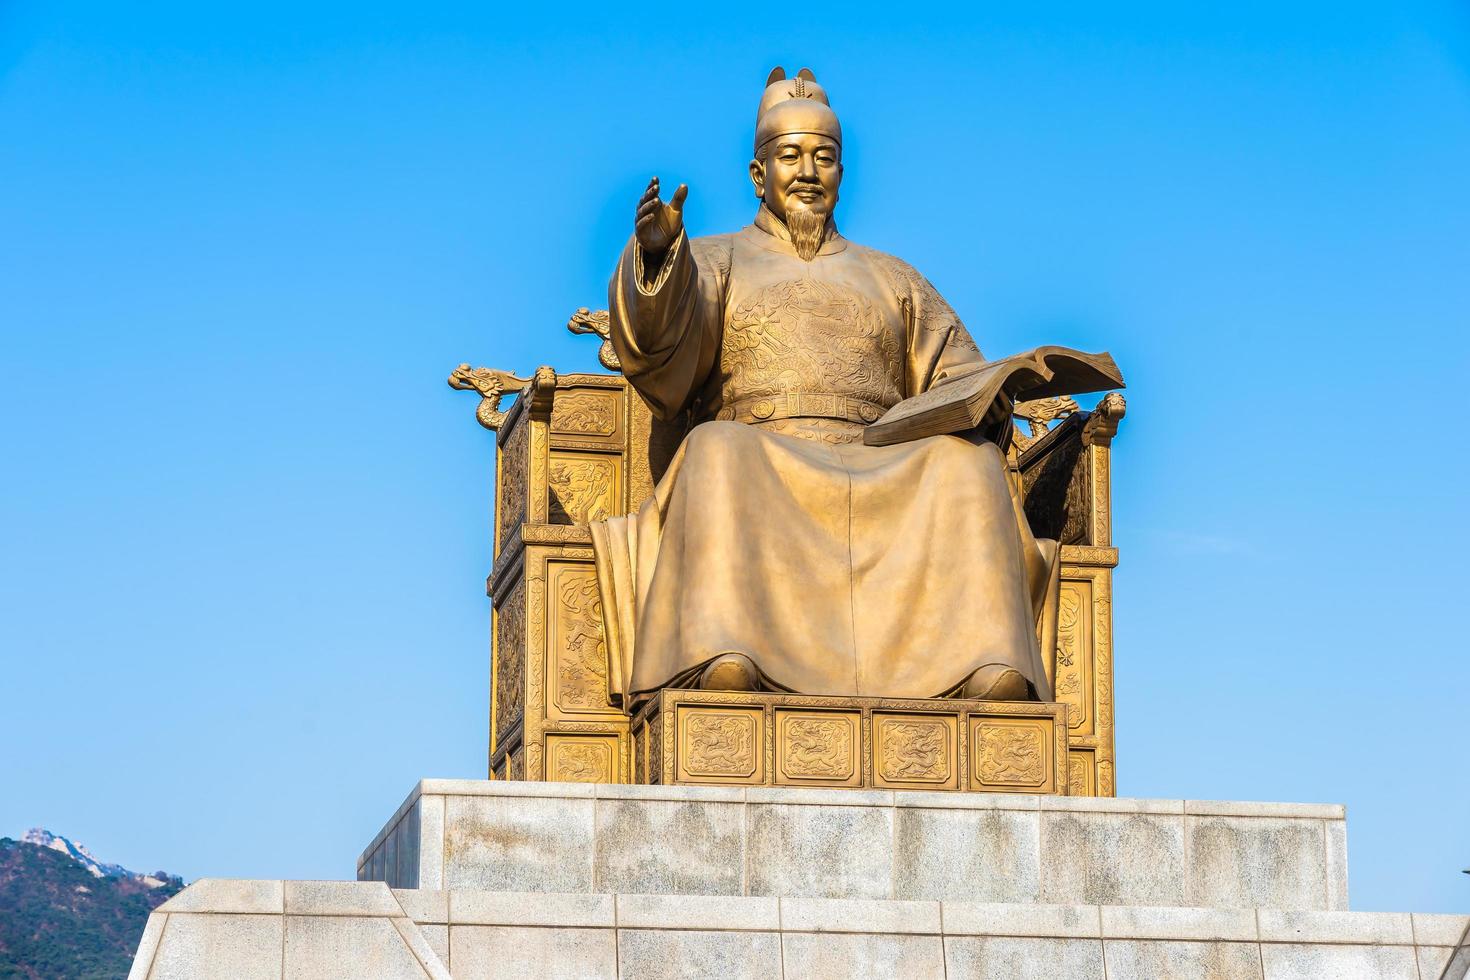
(65, 915)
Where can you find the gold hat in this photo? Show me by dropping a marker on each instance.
(797, 105)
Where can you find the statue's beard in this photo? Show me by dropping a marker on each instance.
(806, 227)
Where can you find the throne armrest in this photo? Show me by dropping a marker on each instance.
(1064, 470)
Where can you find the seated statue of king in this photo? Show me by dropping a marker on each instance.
(778, 551)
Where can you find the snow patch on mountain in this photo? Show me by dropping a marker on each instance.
(78, 853)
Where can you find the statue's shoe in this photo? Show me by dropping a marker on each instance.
(730, 672)
(996, 682)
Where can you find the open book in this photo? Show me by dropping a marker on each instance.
(967, 401)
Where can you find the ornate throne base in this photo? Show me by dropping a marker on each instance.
(739, 738)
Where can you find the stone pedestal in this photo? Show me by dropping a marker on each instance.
(773, 841)
(578, 880)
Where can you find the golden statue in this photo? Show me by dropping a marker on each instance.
(779, 551)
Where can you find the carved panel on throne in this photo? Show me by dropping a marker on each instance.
(758, 739)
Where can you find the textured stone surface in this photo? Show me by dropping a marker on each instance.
(1289, 926)
(1050, 921)
(229, 895)
(698, 912)
(1136, 922)
(485, 952)
(147, 947)
(423, 904)
(537, 909)
(1439, 930)
(518, 844)
(973, 958)
(1290, 961)
(700, 847)
(650, 954)
(438, 939)
(1112, 858)
(345, 929)
(1257, 862)
(820, 956)
(821, 851)
(320, 946)
(1434, 963)
(981, 847)
(997, 854)
(219, 947)
(1135, 959)
(340, 898)
(432, 843)
(850, 915)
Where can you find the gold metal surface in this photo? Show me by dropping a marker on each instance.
(569, 635)
(579, 453)
(761, 739)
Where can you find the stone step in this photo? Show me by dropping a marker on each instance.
(836, 843)
(316, 930)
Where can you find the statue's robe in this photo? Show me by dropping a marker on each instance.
(838, 568)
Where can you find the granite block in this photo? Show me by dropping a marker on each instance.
(1110, 805)
(818, 796)
(516, 788)
(1337, 865)
(496, 952)
(853, 915)
(1306, 811)
(219, 947)
(514, 844)
(1197, 924)
(484, 908)
(1041, 921)
(753, 914)
(431, 844)
(323, 946)
(1129, 858)
(650, 954)
(438, 939)
(340, 898)
(423, 905)
(819, 851)
(1291, 961)
(965, 801)
(683, 847)
(820, 956)
(997, 958)
(1257, 862)
(147, 946)
(1290, 926)
(428, 957)
(242, 895)
(1439, 930)
(976, 855)
(1443, 962)
(692, 794)
(1139, 959)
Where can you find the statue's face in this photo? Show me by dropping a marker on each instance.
(800, 171)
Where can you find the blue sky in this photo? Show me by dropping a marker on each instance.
(245, 525)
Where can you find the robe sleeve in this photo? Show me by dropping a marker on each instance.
(939, 347)
(666, 323)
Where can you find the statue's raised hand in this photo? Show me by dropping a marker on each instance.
(658, 224)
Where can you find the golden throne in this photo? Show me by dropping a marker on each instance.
(576, 448)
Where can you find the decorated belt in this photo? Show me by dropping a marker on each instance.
(801, 405)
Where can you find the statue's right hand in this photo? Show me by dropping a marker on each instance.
(658, 224)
